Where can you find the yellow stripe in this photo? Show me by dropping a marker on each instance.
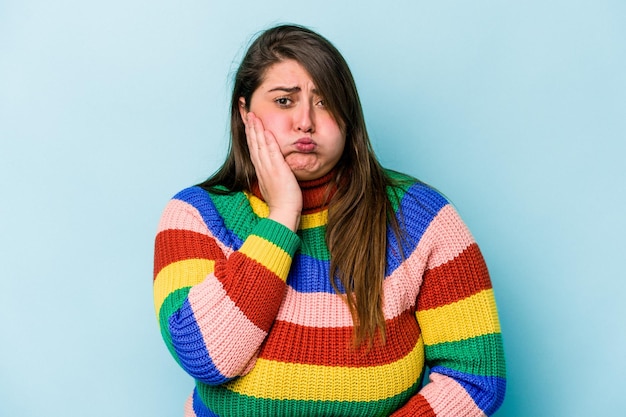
(258, 206)
(267, 254)
(178, 275)
(293, 381)
(308, 221)
(470, 317)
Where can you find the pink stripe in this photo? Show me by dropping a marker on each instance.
(189, 407)
(448, 235)
(402, 286)
(400, 289)
(314, 309)
(230, 337)
(183, 216)
(448, 398)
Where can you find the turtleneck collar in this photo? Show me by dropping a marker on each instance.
(315, 193)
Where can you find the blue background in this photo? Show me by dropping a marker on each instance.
(515, 110)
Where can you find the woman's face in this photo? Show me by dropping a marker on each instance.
(290, 107)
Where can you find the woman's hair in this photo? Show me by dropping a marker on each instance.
(359, 211)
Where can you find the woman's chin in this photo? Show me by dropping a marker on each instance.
(307, 174)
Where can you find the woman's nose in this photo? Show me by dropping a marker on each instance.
(304, 119)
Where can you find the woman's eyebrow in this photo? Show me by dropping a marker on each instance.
(290, 90)
(286, 89)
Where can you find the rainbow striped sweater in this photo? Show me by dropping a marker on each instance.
(246, 308)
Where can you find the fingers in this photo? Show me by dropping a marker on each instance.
(262, 144)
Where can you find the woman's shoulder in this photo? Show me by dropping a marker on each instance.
(216, 208)
(204, 199)
(197, 191)
(190, 194)
(194, 195)
(410, 192)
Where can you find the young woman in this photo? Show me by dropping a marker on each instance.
(303, 279)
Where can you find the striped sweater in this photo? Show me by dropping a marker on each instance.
(246, 308)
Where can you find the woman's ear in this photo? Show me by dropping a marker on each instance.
(242, 110)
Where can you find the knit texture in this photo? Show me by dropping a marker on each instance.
(246, 307)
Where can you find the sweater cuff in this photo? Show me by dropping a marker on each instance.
(278, 234)
(273, 245)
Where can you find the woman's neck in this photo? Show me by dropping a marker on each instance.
(315, 193)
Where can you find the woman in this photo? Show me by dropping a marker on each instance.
(304, 279)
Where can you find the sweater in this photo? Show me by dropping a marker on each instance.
(246, 308)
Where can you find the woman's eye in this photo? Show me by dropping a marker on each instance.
(283, 101)
(321, 103)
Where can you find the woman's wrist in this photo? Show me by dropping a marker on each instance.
(289, 219)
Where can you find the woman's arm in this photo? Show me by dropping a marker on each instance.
(457, 315)
(214, 304)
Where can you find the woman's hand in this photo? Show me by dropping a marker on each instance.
(277, 182)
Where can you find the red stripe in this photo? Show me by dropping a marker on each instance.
(417, 406)
(332, 346)
(455, 280)
(174, 245)
(256, 290)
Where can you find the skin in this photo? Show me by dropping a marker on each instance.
(291, 136)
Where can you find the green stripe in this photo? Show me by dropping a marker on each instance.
(170, 305)
(228, 403)
(278, 234)
(473, 356)
(236, 212)
(314, 243)
(401, 183)
(402, 180)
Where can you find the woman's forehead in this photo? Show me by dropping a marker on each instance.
(288, 75)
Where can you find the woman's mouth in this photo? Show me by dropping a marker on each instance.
(305, 145)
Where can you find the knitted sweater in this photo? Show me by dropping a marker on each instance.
(247, 309)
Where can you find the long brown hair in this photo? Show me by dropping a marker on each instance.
(359, 211)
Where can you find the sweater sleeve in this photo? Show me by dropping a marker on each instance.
(214, 303)
(458, 319)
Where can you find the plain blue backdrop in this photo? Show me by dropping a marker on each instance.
(515, 110)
